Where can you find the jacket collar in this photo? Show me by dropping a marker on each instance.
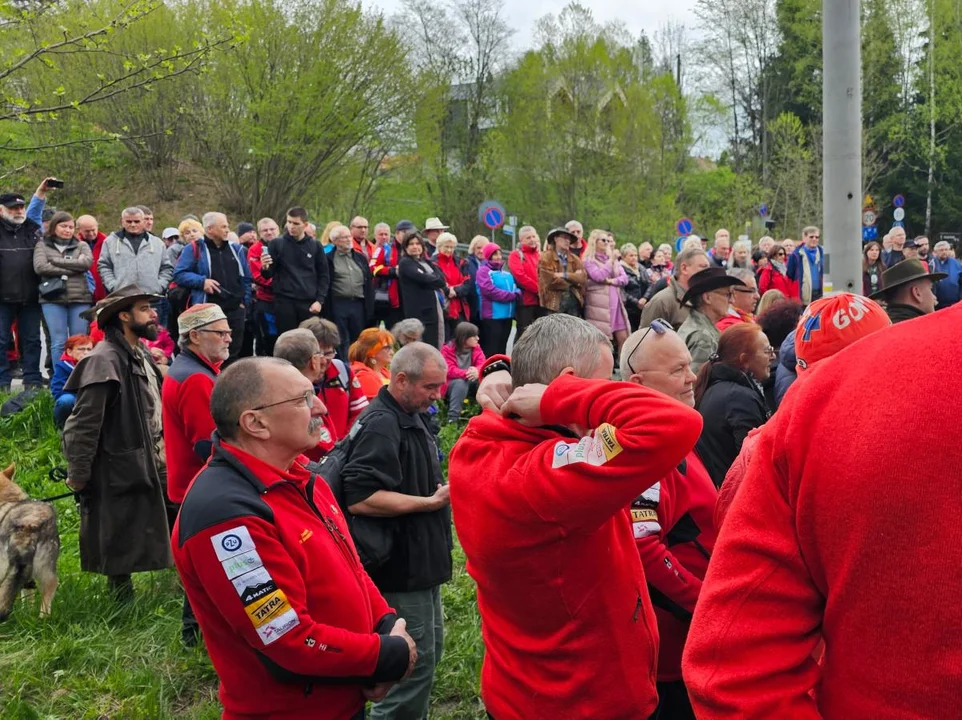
(258, 473)
(70, 244)
(726, 373)
(897, 311)
(202, 360)
(405, 419)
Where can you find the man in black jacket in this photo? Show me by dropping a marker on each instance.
(300, 273)
(402, 520)
(19, 299)
(351, 297)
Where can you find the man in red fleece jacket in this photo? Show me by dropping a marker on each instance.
(204, 346)
(523, 264)
(293, 624)
(540, 505)
(673, 520)
(834, 537)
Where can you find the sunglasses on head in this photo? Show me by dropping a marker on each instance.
(660, 326)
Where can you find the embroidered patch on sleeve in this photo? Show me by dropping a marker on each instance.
(232, 542)
(266, 605)
(596, 449)
(609, 441)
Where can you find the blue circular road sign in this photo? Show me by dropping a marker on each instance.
(493, 218)
(683, 226)
(898, 201)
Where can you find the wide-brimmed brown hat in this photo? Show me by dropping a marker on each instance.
(560, 231)
(905, 272)
(707, 280)
(117, 301)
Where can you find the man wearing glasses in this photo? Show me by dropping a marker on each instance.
(204, 335)
(292, 622)
(805, 265)
(673, 521)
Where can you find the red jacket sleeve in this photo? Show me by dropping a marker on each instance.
(639, 436)
(749, 650)
(336, 652)
(255, 264)
(525, 275)
(652, 517)
(357, 400)
(194, 410)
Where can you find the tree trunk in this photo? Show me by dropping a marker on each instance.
(931, 181)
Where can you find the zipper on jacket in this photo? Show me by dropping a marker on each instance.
(634, 618)
(330, 526)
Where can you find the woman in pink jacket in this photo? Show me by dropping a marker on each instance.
(604, 307)
(464, 358)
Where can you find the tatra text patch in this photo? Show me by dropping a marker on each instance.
(265, 604)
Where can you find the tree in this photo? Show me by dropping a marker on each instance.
(275, 121)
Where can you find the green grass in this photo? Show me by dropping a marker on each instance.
(96, 660)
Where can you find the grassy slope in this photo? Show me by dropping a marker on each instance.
(95, 660)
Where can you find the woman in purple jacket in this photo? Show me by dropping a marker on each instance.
(604, 307)
(498, 292)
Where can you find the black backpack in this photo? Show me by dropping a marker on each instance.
(329, 469)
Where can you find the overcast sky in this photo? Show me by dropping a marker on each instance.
(647, 15)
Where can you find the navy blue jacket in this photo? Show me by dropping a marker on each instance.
(193, 268)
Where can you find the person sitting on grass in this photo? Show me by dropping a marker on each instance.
(75, 350)
(370, 357)
(464, 358)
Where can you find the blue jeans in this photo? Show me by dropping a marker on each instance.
(63, 321)
(62, 408)
(27, 316)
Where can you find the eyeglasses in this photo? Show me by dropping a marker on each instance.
(329, 354)
(746, 290)
(222, 334)
(660, 326)
(770, 351)
(307, 397)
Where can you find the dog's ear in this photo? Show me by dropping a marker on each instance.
(11, 470)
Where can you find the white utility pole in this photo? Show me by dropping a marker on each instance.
(842, 138)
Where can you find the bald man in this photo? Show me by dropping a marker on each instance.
(88, 230)
(359, 236)
(673, 521)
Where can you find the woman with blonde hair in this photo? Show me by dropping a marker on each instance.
(370, 357)
(325, 238)
(772, 297)
(604, 307)
(459, 286)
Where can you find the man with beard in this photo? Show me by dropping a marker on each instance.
(19, 300)
(114, 448)
(394, 488)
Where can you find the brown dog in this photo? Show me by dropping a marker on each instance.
(29, 546)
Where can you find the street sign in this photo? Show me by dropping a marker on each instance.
(491, 214)
(869, 234)
(683, 226)
(868, 218)
(899, 214)
(899, 202)
(508, 229)
(763, 210)
(678, 243)
(513, 220)
(898, 223)
(950, 237)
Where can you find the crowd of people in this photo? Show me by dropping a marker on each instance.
(261, 408)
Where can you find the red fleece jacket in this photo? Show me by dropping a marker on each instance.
(523, 264)
(832, 535)
(288, 614)
(674, 527)
(542, 516)
(185, 399)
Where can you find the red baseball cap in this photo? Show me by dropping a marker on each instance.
(832, 324)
